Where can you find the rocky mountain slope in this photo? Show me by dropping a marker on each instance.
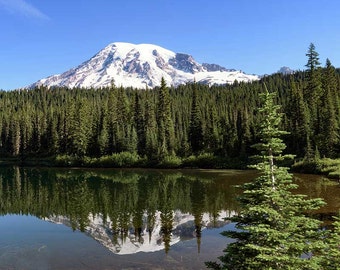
(142, 65)
(149, 239)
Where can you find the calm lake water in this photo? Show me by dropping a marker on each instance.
(124, 219)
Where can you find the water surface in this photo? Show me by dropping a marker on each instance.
(123, 219)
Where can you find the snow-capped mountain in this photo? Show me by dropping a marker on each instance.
(142, 65)
(150, 239)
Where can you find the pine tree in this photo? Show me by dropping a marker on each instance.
(328, 137)
(299, 122)
(15, 136)
(52, 136)
(195, 128)
(331, 254)
(243, 131)
(211, 136)
(123, 121)
(103, 137)
(150, 129)
(139, 124)
(112, 121)
(81, 128)
(313, 91)
(165, 122)
(274, 229)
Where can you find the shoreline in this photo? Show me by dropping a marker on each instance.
(325, 166)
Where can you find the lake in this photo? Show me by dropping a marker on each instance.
(124, 219)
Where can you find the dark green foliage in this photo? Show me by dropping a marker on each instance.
(190, 120)
(331, 254)
(313, 89)
(195, 128)
(139, 125)
(165, 123)
(124, 198)
(328, 139)
(312, 96)
(299, 120)
(325, 166)
(274, 230)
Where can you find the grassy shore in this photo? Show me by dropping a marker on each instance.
(129, 160)
(325, 166)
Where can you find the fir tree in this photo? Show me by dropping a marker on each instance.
(81, 128)
(330, 259)
(103, 136)
(15, 136)
(299, 122)
(195, 128)
(139, 124)
(123, 121)
(112, 119)
(313, 90)
(211, 136)
(274, 229)
(328, 137)
(150, 126)
(165, 122)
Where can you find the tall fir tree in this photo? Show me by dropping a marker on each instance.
(112, 121)
(150, 126)
(328, 138)
(123, 121)
(15, 136)
(299, 122)
(81, 128)
(330, 258)
(195, 128)
(139, 124)
(103, 133)
(165, 122)
(273, 226)
(313, 92)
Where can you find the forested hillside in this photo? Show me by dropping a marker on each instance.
(190, 120)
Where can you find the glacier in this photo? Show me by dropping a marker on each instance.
(150, 239)
(142, 66)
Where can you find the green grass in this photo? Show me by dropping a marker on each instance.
(129, 160)
(324, 166)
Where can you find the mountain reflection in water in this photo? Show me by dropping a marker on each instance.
(126, 211)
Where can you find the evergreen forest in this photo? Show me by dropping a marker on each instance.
(188, 125)
(275, 228)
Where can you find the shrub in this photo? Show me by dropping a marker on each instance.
(66, 160)
(325, 166)
(120, 160)
(170, 162)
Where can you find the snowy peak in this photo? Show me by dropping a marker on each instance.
(150, 239)
(142, 65)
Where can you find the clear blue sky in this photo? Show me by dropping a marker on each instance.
(41, 38)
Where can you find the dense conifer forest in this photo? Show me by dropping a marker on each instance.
(150, 127)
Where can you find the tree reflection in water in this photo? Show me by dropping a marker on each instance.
(126, 211)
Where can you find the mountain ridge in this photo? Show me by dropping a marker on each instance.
(141, 65)
(151, 239)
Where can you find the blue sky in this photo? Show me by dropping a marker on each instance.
(41, 38)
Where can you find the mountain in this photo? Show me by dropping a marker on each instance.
(285, 70)
(142, 65)
(149, 239)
